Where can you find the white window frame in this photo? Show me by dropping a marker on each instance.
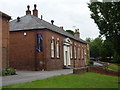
(71, 52)
(52, 48)
(57, 49)
(75, 52)
(82, 53)
(79, 53)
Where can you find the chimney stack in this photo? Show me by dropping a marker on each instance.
(77, 33)
(28, 11)
(62, 28)
(35, 11)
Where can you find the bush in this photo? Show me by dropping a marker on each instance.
(10, 71)
(7, 71)
(4, 72)
(90, 63)
(0, 72)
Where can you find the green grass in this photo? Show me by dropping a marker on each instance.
(86, 80)
(114, 67)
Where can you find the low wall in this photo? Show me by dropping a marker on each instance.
(80, 70)
(96, 69)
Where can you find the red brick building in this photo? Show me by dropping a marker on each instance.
(4, 40)
(38, 45)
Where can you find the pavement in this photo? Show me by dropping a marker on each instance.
(97, 64)
(28, 76)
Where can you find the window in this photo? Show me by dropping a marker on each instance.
(58, 49)
(71, 51)
(79, 53)
(85, 53)
(82, 53)
(75, 52)
(39, 42)
(52, 48)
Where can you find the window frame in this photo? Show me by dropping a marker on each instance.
(39, 42)
(71, 51)
(75, 52)
(58, 48)
(52, 48)
(79, 53)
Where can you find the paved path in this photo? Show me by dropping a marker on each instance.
(28, 76)
(97, 64)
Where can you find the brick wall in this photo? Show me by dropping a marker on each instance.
(24, 56)
(103, 71)
(96, 69)
(0, 42)
(55, 63)
(4, 42)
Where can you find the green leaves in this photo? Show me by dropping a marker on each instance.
(107, 17)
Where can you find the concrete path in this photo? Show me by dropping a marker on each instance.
(28, 76)
(97, 64)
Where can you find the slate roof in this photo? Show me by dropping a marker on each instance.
(31, 22)
(4, 15)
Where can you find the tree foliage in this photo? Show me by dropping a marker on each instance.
(70, 31)
(107, 17)
(95, 46)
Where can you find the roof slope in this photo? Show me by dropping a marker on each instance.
(4, 15)
(30, 22)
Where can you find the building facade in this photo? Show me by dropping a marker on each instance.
(38, 45)
(4, 40)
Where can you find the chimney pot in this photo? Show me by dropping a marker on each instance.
(18, 19)
(35, 11)
(52, 21)
(41, 17)
(35, 6)
(28, 7)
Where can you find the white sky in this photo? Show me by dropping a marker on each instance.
(66, 13)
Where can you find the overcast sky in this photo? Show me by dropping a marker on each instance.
(66, 13)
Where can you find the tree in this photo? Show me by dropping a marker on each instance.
(100, 48)
(95, 46)
(70, 31)
(107, 17)
(107, 49)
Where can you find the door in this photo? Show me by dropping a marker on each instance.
(66, 55)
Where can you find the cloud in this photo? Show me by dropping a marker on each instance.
(67, 13)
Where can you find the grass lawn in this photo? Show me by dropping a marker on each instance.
(85, 80)
(114, 67)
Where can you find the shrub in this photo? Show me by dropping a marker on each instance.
(4, 72)
(90, 63)
(10, 71)
(0, 72)
(7, 71)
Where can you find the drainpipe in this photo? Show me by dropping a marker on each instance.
(35, 53)
(73, 55)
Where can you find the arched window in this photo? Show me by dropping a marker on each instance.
(52, 48)
(82, 53)
(71, 51)
(75, 52)
(79, 53)
(58, 48)
(39, 47)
